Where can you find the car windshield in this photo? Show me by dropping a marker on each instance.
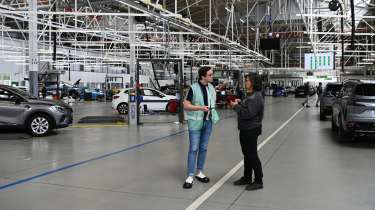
(365, 90)
(333, 89)
(20, 92)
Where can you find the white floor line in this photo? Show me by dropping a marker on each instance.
(199, 201)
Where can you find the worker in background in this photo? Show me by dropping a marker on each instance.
(44, 91)
(307, 92)
(201, 115)
(250, 115)
(320, 94)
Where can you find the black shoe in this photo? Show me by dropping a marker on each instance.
(254, 186)
(242, 181)
(187, 185)
(303, 104)
(307, 106)
(204, 179)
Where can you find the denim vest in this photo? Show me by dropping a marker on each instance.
(195, 118)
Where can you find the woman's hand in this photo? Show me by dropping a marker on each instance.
(233, 103)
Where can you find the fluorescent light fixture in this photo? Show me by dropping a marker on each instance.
(368, 59)
(303, 47)
(145, 45)
(181, 53)
(226, 8)
(14, 60)
(364, 63)
(88, 44)
(14, 56)
(242, 21)
(208, 65)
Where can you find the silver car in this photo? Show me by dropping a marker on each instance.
(328, 97)
(354, 110)
(38, 117)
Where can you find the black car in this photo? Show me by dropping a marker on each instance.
(38, 117)
(300, 91)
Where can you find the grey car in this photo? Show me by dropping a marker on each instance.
(38, 117)
(354, 110)
(328, 97)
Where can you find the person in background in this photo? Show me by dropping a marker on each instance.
(201, 115)
(250, 116)
(44, 91)
(306, 90)
(320, 94)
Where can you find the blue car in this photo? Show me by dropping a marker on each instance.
(93, 95)
(279, 91)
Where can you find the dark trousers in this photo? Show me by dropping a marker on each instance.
(248, 140)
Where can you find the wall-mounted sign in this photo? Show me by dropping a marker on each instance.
(319, 61)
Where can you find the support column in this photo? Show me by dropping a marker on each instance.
(33, 49)
(181, 80)
(133, 106)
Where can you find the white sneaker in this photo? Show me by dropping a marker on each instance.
(189, 180)
(200, 175)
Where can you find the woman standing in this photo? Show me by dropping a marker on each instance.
(250, 116)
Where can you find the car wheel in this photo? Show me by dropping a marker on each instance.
(333, 125)
(344, 136)
(122, 108)
(39, 125)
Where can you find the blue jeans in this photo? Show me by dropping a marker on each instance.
(198, 147)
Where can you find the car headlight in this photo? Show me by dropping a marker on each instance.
(56, 108)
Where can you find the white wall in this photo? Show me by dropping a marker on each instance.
(10, 69)
(92, 77)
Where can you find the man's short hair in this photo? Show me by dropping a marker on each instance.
(202, 72)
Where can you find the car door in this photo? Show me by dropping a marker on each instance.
(11, 113)
(346, 97)
(162, 100)
(152, 99)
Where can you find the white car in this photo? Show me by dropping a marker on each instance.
(153, 99)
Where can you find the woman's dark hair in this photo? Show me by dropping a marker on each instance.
(202, 72)
(256, 80)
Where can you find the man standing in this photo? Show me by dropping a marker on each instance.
(201, 115)
(320, 93)
(307, 93)
(44, 91)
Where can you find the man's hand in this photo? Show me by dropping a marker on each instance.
(205, 108)
(237, 100)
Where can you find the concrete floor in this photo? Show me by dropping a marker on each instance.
(144, 167)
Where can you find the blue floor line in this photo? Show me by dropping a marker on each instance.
(21, 181)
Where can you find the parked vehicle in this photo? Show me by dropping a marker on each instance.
(353, 113)
(151, 100)
(93, 95)
(328, 98)
(279, 91)
(290, 90)
(38, 117)
(300, 91)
